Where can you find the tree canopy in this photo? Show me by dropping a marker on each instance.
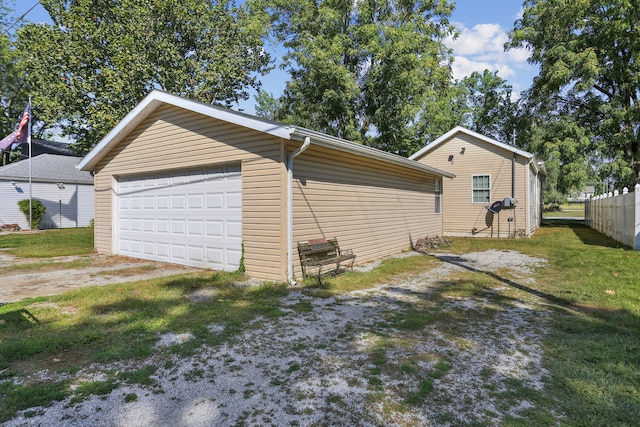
(98, 59)
(363, 71)
(13, 90)
(589, 57)
(491, 111)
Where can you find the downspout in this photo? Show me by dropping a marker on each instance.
(513, 176)
(305, 145)
(528, 197)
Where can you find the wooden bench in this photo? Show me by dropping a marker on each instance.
(321, 252)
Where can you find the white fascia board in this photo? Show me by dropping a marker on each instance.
(469, 132)
(155, 99)
(321, 139)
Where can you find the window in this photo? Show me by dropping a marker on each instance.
(481, 189)
(438, 192)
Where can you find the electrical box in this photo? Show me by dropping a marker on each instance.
(510, 202)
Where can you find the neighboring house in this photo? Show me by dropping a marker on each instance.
(581, 196)
(189, 183)
(66, 192)
(40, 146)
(487, 172)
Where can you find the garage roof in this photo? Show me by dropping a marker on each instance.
(157, 98)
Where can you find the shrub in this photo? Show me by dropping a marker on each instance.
(37, 211)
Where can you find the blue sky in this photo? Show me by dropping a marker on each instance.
(483, 27)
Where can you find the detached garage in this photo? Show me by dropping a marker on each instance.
(189, 183)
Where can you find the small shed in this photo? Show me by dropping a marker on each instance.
(66, 192)
(497, 187)
(194, 184)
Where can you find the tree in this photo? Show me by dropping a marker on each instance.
(13, 93)
(98, 59)
(491, 110)
(445, 108)
(589, 57)
(363, 71)
(267, 106)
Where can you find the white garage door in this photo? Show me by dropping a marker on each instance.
(190, 217)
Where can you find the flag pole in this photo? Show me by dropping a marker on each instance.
(30, 192)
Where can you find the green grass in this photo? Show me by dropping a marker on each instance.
(565, 210)
(50, 243)
(592, 352)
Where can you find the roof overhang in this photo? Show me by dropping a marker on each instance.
(157, 98)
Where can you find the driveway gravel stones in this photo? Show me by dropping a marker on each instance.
(355, 359)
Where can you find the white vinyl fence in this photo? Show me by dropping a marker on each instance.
(616, 215)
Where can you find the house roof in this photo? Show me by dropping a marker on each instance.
(47, 168)
(40, 146)
(460, 129)
(157, 98)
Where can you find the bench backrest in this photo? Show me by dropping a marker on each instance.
(319, 248)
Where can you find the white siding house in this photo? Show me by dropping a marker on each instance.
(66, 192)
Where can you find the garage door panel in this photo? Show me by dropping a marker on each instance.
(178, 226)
(195, 227)
(162, 226)
(149, 202)
(148, 248)
(195, 201)
(233, 257)
(234, 200)
(179, 252)
(178, 202)
(233, 229)
(215, 228)
(192, 218)
(163, 250)
(196, 253)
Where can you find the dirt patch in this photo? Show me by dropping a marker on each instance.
(29, 278)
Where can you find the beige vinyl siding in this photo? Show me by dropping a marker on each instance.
(263, 229)
(374, 208)
(175, 139)
(460, 215)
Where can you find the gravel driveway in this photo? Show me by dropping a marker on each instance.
(342, 361)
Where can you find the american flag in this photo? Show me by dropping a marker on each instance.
(23, 121)
(19, 135)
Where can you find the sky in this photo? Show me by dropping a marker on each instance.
(483, 27)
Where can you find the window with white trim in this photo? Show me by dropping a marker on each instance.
(438, 193)
(481, 188)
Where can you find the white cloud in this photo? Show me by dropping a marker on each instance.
(479, 39)
(482, 48)
(463, 66)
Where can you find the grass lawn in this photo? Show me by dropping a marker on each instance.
(565, 210)
(49, 243)
(590, 283)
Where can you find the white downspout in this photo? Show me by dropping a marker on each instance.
(528, 198)
(305, 145)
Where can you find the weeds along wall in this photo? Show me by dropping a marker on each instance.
(616, 215)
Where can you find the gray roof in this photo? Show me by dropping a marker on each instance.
(47, 168)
